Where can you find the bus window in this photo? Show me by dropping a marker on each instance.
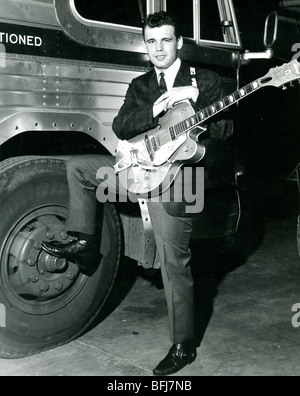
(218, 23)
(118, 12)
(210, 23)
(183, 10)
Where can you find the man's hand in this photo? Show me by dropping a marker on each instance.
(169, 99)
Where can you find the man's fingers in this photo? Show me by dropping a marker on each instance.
(175, 95)
(159, 101)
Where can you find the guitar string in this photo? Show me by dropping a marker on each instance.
(201, 116)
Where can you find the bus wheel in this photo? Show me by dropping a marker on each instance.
(46, 302)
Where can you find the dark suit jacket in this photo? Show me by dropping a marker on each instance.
(136, 114)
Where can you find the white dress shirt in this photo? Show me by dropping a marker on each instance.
(170, 73)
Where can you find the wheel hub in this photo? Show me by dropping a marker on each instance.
(33, 274)
(51, 264)
(45, 278)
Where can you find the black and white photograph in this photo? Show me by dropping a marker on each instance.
(149, 190)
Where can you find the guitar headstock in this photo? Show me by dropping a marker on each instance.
(281, 75)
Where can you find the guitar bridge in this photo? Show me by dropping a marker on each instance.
(134, 157)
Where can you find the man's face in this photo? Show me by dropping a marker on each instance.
(162, 45)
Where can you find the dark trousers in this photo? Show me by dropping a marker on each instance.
(172, 236)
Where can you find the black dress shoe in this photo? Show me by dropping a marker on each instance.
(78, 251)
(178, 357)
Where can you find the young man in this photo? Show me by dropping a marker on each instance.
(147, 98)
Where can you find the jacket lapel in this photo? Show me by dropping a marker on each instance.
(153, 86)
(183, 76)
(182, 79)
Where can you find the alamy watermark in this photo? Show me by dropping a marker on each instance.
(187, 188)
(2, 315)
(296, 317)
(296, 48)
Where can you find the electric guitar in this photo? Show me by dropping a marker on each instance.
(148, 164)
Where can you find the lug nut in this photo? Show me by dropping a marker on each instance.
(30, 263)
(64, 235)
(37, 245)
(58, 286)
(34, 278)
(44, 287)
(50, 235)
(71, 275)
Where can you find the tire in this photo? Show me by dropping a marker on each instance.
(45, 302)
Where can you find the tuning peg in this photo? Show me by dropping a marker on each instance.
(298, 80)
(284, 88)
(291, 84)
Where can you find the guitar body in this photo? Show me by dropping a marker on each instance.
(148, 164)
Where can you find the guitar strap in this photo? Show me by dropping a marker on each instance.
(193, 77)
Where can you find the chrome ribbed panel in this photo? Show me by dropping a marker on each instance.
(36, 12)
(45, 94)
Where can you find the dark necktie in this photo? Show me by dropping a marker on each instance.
(162, 84)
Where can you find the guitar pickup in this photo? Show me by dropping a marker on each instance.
(172, 133)
(154, 144)
(147, 142)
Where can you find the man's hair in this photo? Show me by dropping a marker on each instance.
(160, 19)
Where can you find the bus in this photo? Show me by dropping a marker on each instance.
(65, 66)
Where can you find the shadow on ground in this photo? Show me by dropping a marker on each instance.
(259, 205)
(260, 202)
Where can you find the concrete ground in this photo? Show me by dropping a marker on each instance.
(245, 318)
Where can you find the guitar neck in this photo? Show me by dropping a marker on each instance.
(228, 101)
(203, 115)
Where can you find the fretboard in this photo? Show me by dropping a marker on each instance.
(213, 109)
